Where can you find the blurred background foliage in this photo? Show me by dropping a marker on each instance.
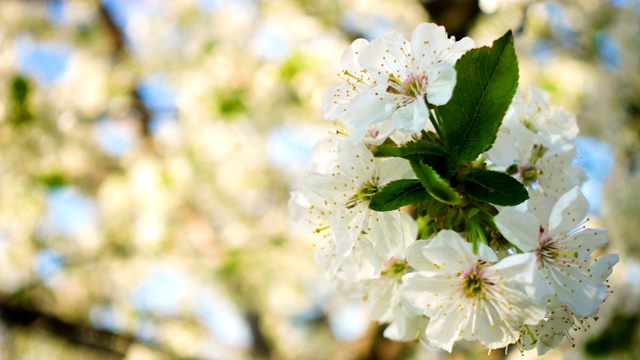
(148, 149)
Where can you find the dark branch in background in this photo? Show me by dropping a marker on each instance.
(261, 348)
(457, 16)
(18, 315)
(120, 53)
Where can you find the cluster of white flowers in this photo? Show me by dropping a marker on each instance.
(528, 284)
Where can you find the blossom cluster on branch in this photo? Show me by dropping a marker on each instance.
(449, 201)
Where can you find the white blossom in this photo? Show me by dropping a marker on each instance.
(472, 296)
(539, 165)
(393, 77)
(342, 195)
(531, 108)
(562, 248)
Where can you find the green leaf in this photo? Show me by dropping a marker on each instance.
(495, 187)
(399, 193)
(435, 185)
(20, 90)
(412, 149)
(487, 79)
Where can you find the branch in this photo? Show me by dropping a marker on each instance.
(17, 315)
(120, 52)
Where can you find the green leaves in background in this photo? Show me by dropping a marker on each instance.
(435, 185)
(495, 187)
(487, 79)
(397, 194)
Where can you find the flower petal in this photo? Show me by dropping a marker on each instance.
(442, 80)
(520, 228)
(568, 212)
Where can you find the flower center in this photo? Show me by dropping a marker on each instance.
(549, 249)
(472, 281)
(364, 194)
(413, 86)
(396, 267)
(529, 174)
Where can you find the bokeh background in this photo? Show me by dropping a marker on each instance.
(148, 148)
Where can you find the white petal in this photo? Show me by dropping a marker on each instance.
(424, 37)
(349, 60)
(504, 151)
(444, 326)
(518, 267)
(520, 228)
(405, 326)
(442, 80)
(416, 258)
(449, 251)
(426, 290)
(371, 106)
(394, 169)
(585, 241)
(568, 212)
(385, 229)
(333, 103)
(411, 117)
(356, 161)
(343, 239)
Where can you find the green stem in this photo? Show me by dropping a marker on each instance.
(435, 122)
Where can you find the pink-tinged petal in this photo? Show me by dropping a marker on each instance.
(568, 212)
(377, 133)
(520, 228)
(442, 80)
(370, 107)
